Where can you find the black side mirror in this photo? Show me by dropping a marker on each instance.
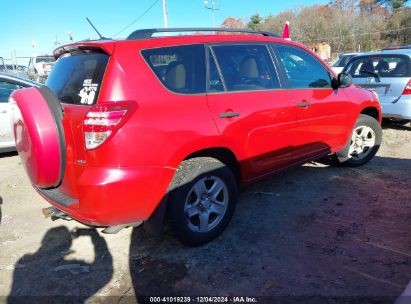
(334, 83)
(344, 80)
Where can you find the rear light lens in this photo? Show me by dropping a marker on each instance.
(104, 120)
(407, 90)
(95, 139)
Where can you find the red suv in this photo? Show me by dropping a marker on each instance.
(128, 130)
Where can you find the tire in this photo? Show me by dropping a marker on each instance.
(202, 199)
(363, 144)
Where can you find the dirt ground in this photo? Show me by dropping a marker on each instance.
(316, 234)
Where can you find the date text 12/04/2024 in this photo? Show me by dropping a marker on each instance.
(233, 299)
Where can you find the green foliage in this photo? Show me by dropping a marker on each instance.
(255, 21)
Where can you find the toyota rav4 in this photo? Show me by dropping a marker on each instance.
(125, 131)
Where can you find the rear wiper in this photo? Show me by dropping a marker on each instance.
(372, 74)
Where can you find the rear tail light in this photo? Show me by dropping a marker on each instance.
(104, 120)
(407, 90)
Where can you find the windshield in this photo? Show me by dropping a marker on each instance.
(45, 59)
(342, 61)
(382, 65)
(77, 78)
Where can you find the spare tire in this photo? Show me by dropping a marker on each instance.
(39, 135)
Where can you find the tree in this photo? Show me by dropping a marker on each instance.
(233, 23)
(255, 22)
(343, 24)
(393, 4)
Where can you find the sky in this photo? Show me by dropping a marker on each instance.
(26, 21)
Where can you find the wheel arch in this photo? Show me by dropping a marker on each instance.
(155, 223)
(373, 112)
(224, 155)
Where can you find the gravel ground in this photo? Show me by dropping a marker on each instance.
(313, 232)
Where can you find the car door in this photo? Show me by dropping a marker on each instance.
(252, 111)
(322, 112)
(6, 134)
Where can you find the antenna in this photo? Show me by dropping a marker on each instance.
(98, 33)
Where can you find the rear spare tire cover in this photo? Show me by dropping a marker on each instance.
(39, 135)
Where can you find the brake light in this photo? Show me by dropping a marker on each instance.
(104, 120)
(407, 90)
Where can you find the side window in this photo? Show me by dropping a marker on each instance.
(246, 67)
(6, 89)
(302, 69)
(215, 81)
(180, 68)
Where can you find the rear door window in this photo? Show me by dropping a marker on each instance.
(382, 65)
(302, 69)
(246, 67)
(180, 69)
(76, 78)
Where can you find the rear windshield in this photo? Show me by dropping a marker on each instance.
(382, 65)
(76, 78)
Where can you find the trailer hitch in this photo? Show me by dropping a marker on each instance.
(54, 214)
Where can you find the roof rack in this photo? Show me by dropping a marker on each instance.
(148, 33)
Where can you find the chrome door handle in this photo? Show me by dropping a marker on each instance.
(229, 114)
(304, 104)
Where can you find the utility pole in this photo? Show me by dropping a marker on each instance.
(211, 5)
(165, 14)
(56, 42)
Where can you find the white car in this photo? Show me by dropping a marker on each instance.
(40, 67)
(338, 64)
(8, 84)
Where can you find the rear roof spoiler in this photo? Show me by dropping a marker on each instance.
(91, 45)
(148, 33)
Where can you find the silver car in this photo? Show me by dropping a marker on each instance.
(8, 84)
(388, 73)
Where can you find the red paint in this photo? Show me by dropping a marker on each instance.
(37, 139)
(125, 178)
(286, 31)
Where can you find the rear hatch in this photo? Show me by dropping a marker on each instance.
(386, 74)
(76, 81)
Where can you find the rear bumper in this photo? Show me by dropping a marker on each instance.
(400, 109)
(113, 196)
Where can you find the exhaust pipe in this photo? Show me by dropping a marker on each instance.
(118, 228)
(55, 214)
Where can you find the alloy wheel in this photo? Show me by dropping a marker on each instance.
(362, 140)
(206, 204)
